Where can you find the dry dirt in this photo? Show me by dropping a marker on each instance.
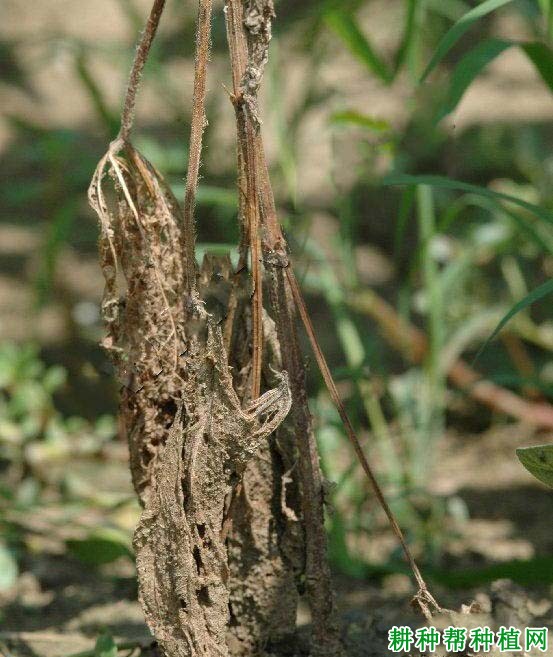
(59, 606)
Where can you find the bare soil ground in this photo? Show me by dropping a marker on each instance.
(60, 605)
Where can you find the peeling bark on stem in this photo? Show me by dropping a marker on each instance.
(248, 28)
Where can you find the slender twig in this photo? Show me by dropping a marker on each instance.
(203, 40)
(255, 250)
(142, 51)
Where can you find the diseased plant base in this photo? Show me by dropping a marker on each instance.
(182, 561)
(233, 521)
(265, 547)
(249, 33)
(265, 541)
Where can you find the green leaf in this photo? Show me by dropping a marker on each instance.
(100, 547)
(105, 646)
(356, 118)
(528, 300)
(468, 69)
(408, 35)
(448, 183)
(54, 378)
(458, 29)
(538, 461)
(542, 58)
(477, 59)
(345, 26)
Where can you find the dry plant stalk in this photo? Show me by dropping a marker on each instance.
(193, 429)
(141, 246)
(233, 517)
(249, 35)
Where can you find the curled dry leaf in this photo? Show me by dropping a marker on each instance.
(142, 258)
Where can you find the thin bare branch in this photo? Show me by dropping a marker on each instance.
(244, 99)
(140, 58)
(203, 41)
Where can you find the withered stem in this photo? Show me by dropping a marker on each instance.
(140, 58)
(247, 138)
(203, 40)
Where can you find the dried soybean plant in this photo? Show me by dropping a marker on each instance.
(232, 527)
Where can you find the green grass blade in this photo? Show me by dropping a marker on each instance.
(467, 70)
(408, 35)
(108, 118)
(458, 29)
(448, 183)
(351, 117)
(542, 58)
(404, 213)
(58, 234)
(477, 59)
(536, 294)
(527, 227)
(210, 195)
(543, 239)
(452, 9)
(345, 26)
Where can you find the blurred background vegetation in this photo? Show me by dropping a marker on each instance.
(410, 148)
